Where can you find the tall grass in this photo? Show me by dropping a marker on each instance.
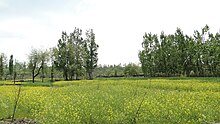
(117, 101)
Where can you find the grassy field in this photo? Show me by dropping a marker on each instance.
(103, 101)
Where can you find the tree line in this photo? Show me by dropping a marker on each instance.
(179, 54)
(74, 57)
(125, 70)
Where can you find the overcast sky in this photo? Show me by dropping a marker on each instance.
(119, 25)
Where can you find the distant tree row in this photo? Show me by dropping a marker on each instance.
(1, 66)
(10, 70)
(179, 54)
(76, 57)
(126, 70)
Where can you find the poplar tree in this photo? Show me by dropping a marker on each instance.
(61, 58)
(90, 53)
(76, 42)
(1, 67)
(178, 54)
(11, 64)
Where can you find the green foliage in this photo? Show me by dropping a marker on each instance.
(1, 67)
(37, 62)
(73, 55)
(90, 55)
(107, 71)
(132, 70)
(60, 56)
(178, 54)
(77, 42)
(21, 70)
(11, 64)
(164, 100)
(68, 54)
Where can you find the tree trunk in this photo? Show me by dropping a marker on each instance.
(71, 74)
(90, 76)
(77, 76)
(33, 76)
(52, 74)
(15, 74)
(65, 74)
(42, 80)
(42, 76)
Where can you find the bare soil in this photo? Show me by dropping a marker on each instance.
(18, 121)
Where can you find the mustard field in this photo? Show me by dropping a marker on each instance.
(113, 101)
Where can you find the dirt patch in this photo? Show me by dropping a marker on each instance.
(10, 84)
(18, 121)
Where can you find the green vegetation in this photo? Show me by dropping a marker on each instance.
(74, 57)
(1, 67)
(131, 99)
(126, 70)
(152, 100)
(179, 54)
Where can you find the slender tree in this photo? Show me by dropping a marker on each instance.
(14, 72)
(1, 67)
(44, 58)
(90, 56)
(11, 64)
(77, 42)
(61, 58)
(52, 65)
(147, 56)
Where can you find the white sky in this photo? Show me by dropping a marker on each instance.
(119, 25)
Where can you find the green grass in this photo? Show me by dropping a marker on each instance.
(152, 100)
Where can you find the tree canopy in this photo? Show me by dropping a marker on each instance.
(74, 55)
(179, 54)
